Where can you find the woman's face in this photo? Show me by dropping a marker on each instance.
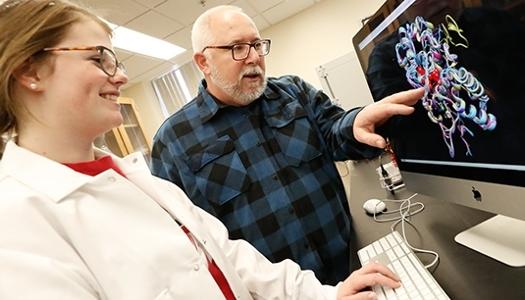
(77, 96)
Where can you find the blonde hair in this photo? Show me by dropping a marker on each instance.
(201, 33)
(46, 23)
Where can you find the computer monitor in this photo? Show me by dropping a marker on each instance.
(465, 142)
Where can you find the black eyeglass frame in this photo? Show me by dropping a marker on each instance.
(251, 45)
(100, 49)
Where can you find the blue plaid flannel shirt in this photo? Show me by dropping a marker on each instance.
(267, 171)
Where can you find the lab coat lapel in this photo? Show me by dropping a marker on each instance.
(138, 172)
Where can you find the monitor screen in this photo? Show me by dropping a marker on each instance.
(465, 141)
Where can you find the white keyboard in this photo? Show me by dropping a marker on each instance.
(416, 281)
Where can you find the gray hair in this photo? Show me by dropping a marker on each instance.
(201, 34)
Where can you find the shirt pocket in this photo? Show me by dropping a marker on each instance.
(296, 135)
(219, 172)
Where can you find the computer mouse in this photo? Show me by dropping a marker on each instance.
(374, 206)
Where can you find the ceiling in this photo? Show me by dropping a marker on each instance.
(171, 20)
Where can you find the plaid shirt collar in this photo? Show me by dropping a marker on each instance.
(209, 105)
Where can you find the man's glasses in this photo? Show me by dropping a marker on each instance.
(107, 59)
(240, 51)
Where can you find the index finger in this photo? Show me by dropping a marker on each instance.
(409, 97)
(377, 268)
(369, 280)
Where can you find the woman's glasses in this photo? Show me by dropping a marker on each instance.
(108, 61)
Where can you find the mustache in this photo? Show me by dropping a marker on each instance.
(252, 71)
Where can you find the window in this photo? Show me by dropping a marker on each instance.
(177, 87)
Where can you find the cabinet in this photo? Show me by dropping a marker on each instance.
(129, 137)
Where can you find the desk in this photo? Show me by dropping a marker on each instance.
(463, 273)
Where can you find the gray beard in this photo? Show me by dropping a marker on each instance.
(233, 89)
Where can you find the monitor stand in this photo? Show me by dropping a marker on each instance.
(499, 237)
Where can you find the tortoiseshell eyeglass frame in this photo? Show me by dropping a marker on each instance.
(110, 69)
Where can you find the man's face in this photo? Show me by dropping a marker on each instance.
(234, 82)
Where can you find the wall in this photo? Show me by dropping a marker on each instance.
(296, 42)
(315, 36)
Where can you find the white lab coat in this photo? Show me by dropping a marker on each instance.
(66, 235)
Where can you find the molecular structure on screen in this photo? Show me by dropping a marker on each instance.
(453, 98)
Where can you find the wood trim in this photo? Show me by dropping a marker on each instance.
(120, 141)
(131, 102)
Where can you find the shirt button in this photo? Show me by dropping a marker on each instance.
(274, 177)
(112, 179)
(135, 160)
(196, 268)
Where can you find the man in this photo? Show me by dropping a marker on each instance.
(258, 153)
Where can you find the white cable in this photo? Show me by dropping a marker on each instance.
(403, 221)
(422, 206)
(405, 212)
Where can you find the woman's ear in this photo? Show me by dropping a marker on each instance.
(202, 62)
(27, 75)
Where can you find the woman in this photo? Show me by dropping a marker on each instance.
(78, 223)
